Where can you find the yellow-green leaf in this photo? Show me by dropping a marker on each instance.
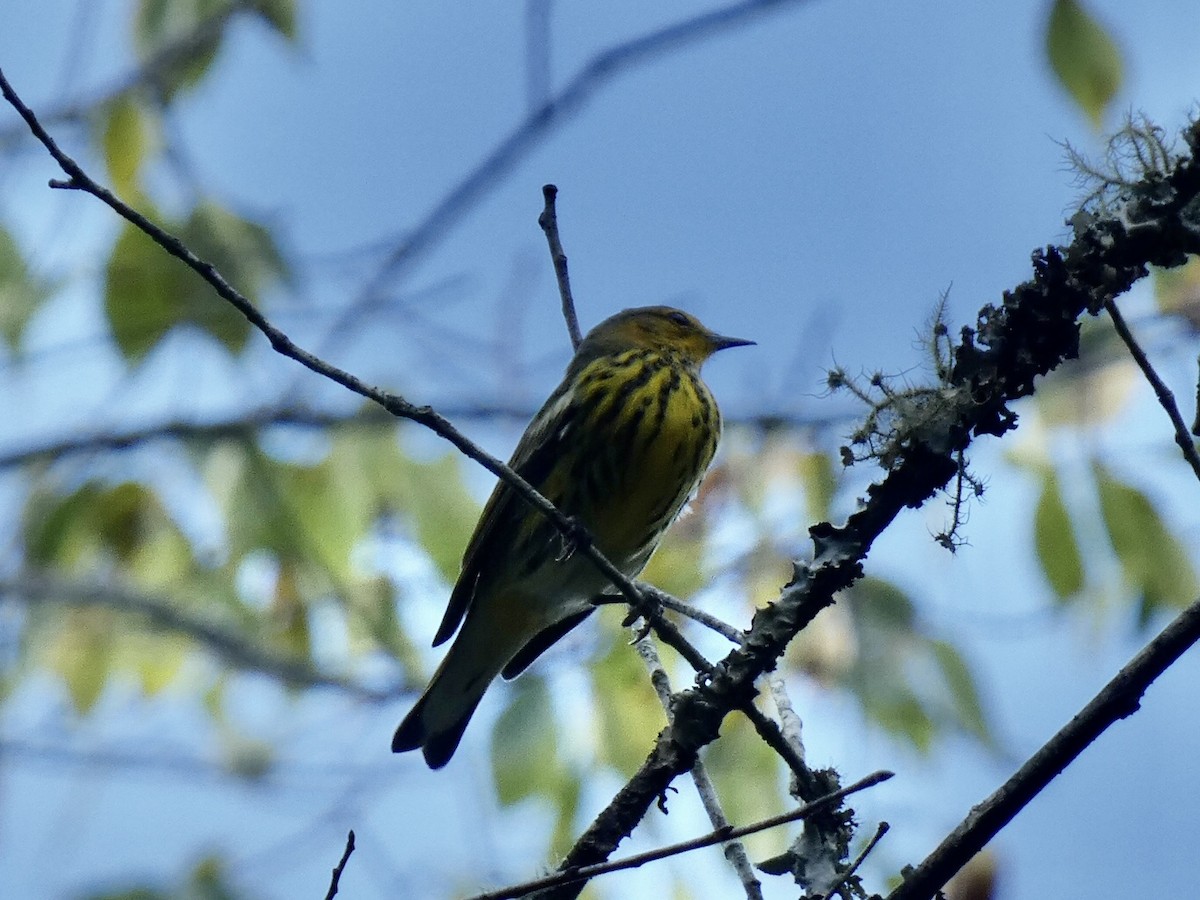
(126, 139)
(192, 29)
(21, 291)
(1084, 57)
(525, 743)
(964, 693)
(279, 14)
(1177, 291)
(1054, 540)
(1154, 561)
(148, 292)
(629, 713)
(81, 653)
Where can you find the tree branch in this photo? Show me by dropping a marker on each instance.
(1166, 399)
(571, 530)
(1029, 334)
(708, 840)
(164, 615)
(1119, 698)
(549, 222)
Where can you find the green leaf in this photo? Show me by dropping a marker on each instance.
(148, 292)
(21, 291)
(1154, 562)
(627, 709)
(1177, 291)
(1054, 540)
(81, 652)
(433, 497)
(1084, 57)
(819, 476)
(964, 692)
(191, 29)
(525, 743)
(747, 775)
(127, 136)
(142, 295)
(280, 15)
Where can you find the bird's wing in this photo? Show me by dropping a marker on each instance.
(534, 458)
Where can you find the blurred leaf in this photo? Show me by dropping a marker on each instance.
(207, 881)
(964, 692)
(248, 758)
(148, 292)
(157, 660)
(126, 140)
(21, 291)
(1084, 57)
(289, 612)
(819, 477)
(1154, 562)
(279, 14)
(1093, 388)
(524, 743)
(1054, 540)
(81, 652)
(432, 497)
(1177, 291)
(677, 566)
(627, 709)
(193, 28)
(911, 685)
(748, 778)
(143, 293)
(98, 523)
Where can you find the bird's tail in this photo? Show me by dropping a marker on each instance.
(480, 650)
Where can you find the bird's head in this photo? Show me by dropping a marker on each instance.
(656, 328)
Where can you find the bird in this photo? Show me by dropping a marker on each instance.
(620, 446)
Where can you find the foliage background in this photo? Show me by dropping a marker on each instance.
(813, 179)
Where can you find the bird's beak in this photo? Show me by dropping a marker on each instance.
(720, 342)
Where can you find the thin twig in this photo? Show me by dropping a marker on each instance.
(341, 866)
(1196, 421)
(572, 531)
(1119, 698)
(594, 73)
(1166, 399)
(244, 423)
(162, 614)
(735, 851)
(858, 860)
(150, 73)
(549, 222)
(1013, 344)
(584, 873)
(721, 627)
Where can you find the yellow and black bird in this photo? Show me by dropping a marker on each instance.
(620, 446)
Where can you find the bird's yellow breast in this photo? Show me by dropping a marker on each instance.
(658, 448)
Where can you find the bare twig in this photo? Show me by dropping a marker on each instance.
(597, 71)
(1031, 332)
(549, 222)
(245, 423)
(340, 867)
(735, 851)
(150, 73)
(1166, 399)
(571, 530)
(858, 860)
(585, 873)
(1119, 698)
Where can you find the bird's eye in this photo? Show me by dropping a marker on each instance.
(679, 318)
